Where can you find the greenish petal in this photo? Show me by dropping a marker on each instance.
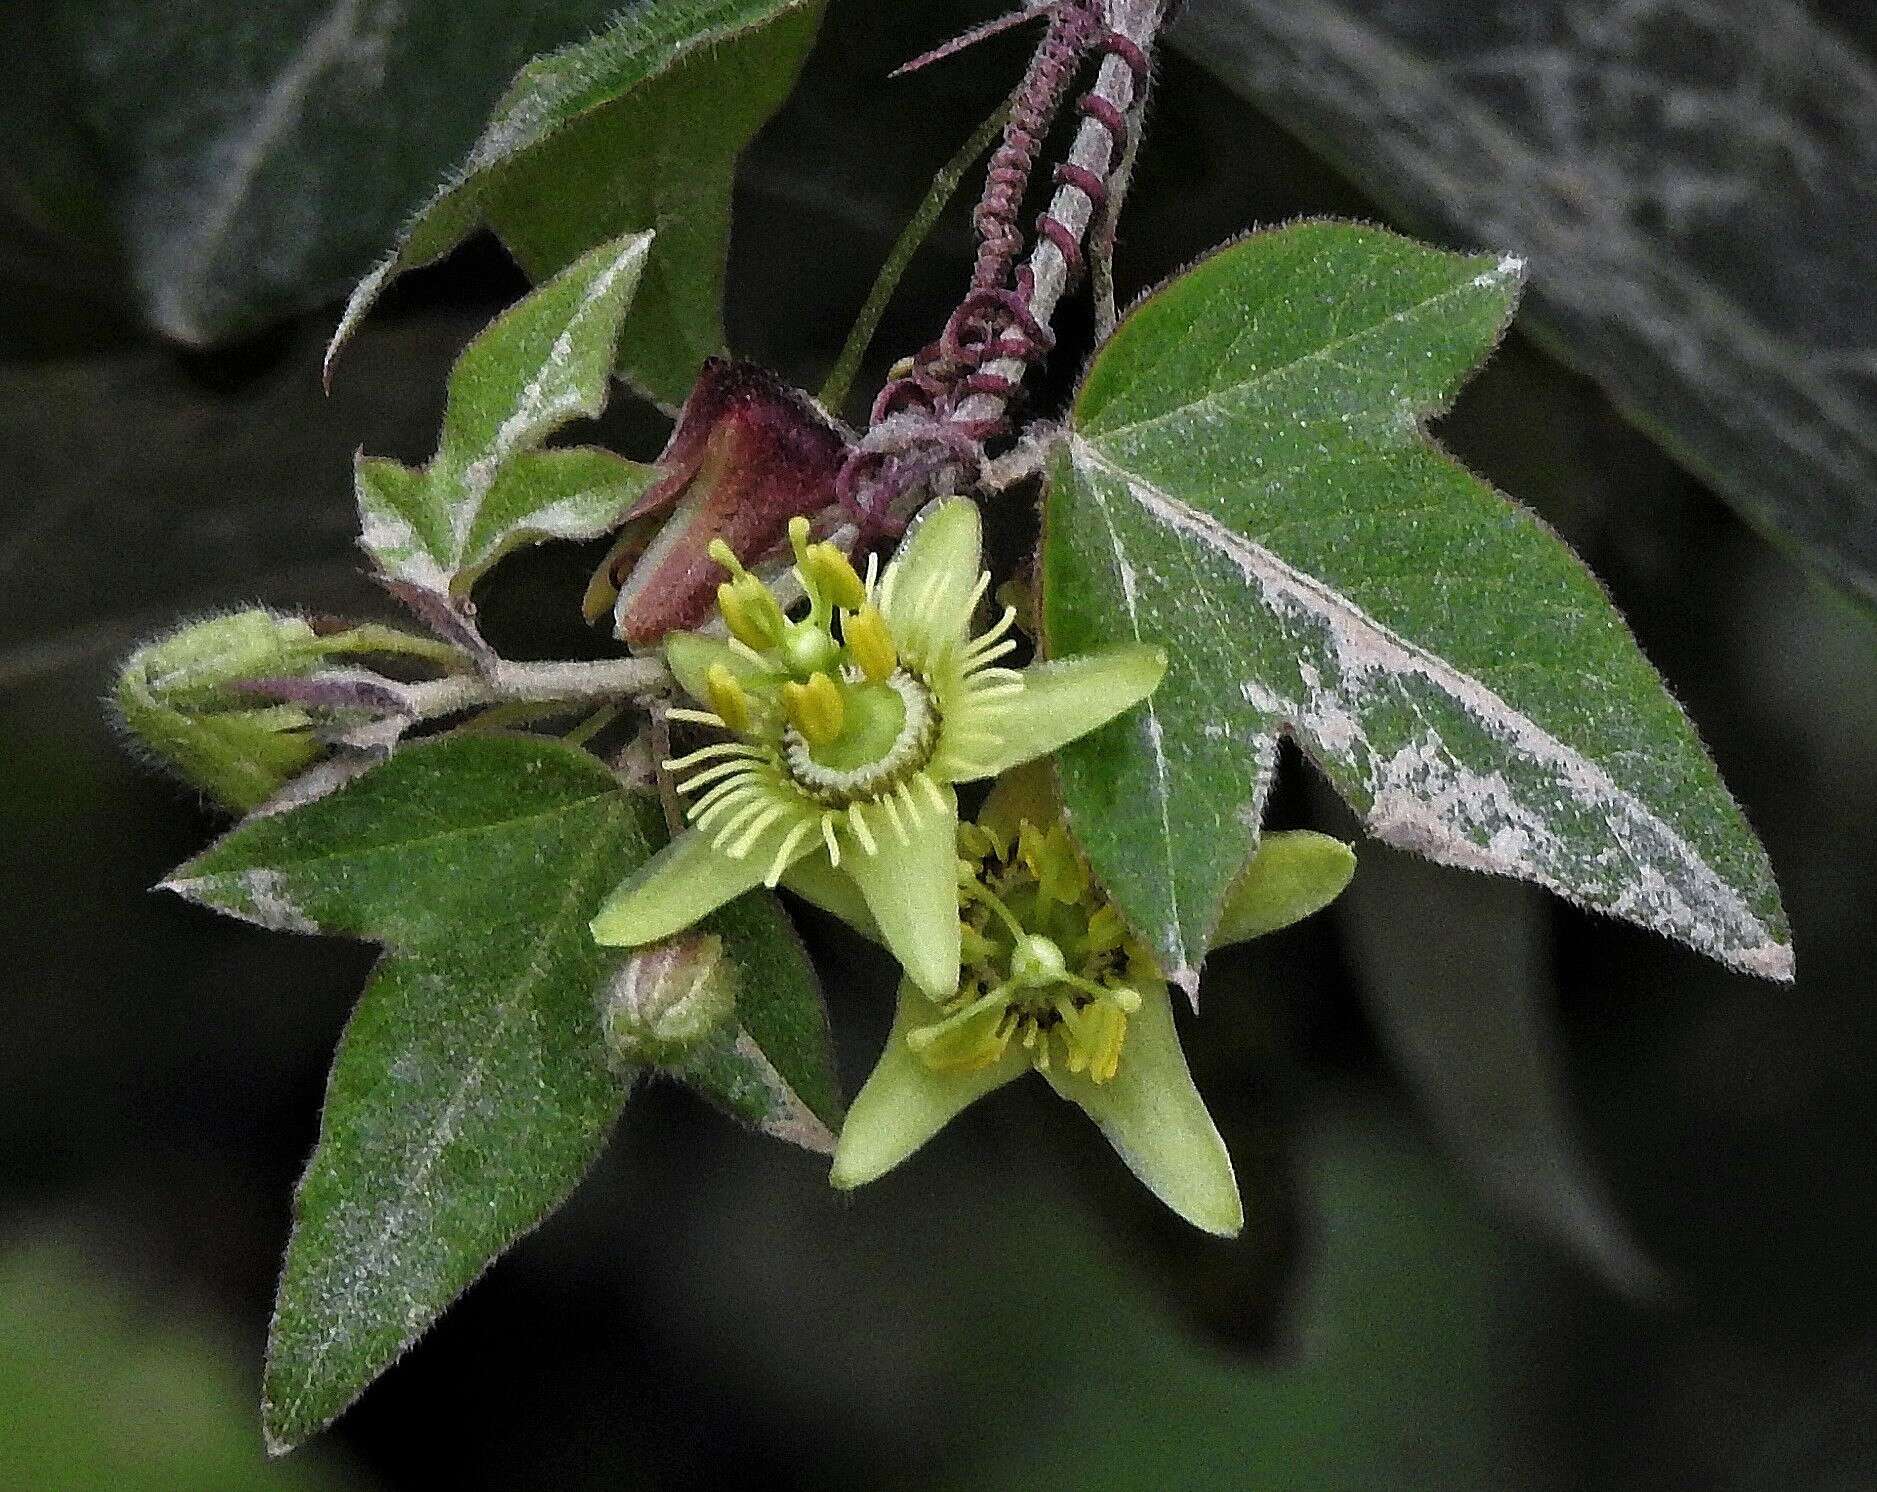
(1061, 700)
(690, 656)
(816, 880)
(911, 888)
(1155, 1119)
(904, 1103)
(1292, 875)
(934, 577)
(684, 882)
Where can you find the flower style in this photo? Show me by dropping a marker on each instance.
(847, 729)
(1054, 980)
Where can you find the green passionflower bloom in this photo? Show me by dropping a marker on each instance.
(847, 729)
(1053, 980)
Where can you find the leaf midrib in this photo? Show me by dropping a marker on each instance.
(360, 851)
(1216, 399)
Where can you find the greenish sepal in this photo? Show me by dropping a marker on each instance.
(691, 655)
(904, 1102)
(815, 880)
(935, 574)
(688, 879)
(1293, 874)
(1068, 697)
(911, 887)
(1155, 1119)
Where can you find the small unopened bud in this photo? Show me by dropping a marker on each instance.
(180, 697)
(727, 698)
(667, 1001)
(870, 644)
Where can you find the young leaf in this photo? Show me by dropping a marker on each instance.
(543, 362)
(637, 129)
(472, 1089)
(1246, 481)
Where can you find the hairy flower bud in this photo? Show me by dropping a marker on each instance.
(667, 1000)
(177, 696)
(748, 454)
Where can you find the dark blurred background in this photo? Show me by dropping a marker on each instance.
(1537, 1201)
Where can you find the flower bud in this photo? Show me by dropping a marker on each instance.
(748, 454)
(178, 696)
(667, 1000)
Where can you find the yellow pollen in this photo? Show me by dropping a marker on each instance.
(870, 644)
(833, 576)
(750, 612)
(727, 698)
(816, 709)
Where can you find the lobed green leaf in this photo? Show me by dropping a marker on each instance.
(635, 130)
(542, 363)
(473, 1088)
(1246, 482)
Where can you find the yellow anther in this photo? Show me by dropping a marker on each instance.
(816, 709)
(869, 643)
(750, 612)
(833, 577)
(727, 698)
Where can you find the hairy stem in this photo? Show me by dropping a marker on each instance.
(1093, 151)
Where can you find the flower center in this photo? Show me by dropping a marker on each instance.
(1045, 959)
(887, 736)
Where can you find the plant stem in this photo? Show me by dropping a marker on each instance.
(1093, 151)
(503, 682)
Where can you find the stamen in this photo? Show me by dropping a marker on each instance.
(922, 1038)
(870, 644)
(833, 576)
(858, 823)
(817, 709)
(827, 838)
(727, 698)
(699, 717)
(933, 795)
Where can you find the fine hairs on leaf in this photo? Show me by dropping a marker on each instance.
(1247, 535)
